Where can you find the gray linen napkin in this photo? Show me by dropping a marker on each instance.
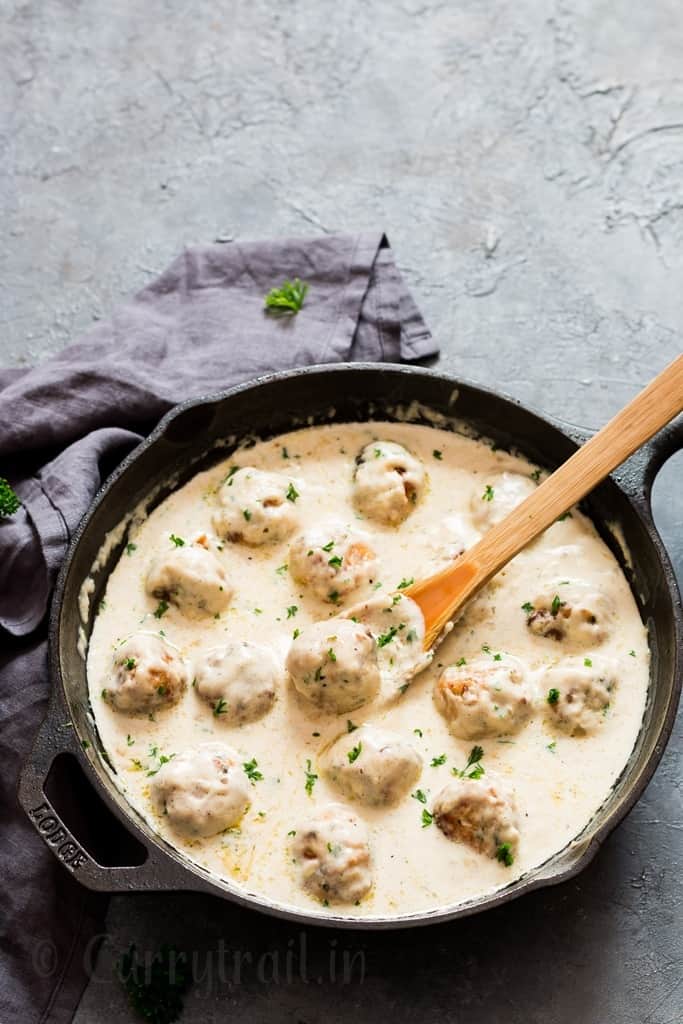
(198, 328)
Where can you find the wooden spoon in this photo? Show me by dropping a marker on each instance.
(441, 596)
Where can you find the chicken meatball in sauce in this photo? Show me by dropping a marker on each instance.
(388, 482)
(571, 613)
(239, 681)
(333, 664)
(148, 674)
(332, 561)
(482, 814)
(374, 766)
(332, 855)
(203, 791)
(578, 693)
(484, 697)
(256, 507)
(192, 578)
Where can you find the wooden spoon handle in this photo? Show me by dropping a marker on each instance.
(652, 409)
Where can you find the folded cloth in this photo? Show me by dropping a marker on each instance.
(198, 328)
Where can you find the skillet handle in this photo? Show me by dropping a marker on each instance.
(159, 870)
(660, 449)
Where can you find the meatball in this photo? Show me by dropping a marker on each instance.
(497, 497)
(480, 813)
(484, 697)
(256, 507)
(388, 482)
(578, 693)
(239, 680)
(397, 625)
(191, 578)
(374, 766)
(571, 612)
(202, 791)
(332, 561)
(148, 674)
(333, 855)
(334, 665)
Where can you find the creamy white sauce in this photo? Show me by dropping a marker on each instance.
(559, 781)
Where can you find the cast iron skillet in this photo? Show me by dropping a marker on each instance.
(181, 446)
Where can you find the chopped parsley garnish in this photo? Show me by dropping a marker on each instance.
(402, 689)
(437, 454)
(553, 696)
(556, 605)
(406, 583)
(376, 586)
(178, 541)
(331, 656)
(488, 493)
(327, 547)
(350, 726)
(497, 657)
(296, 633)
(551, 746)
(378, 453)
(287, 299)
(282, 569)
(292, 832)
(161, 609)
(155, 986)
(291, 494)
(246, 513)
(292, 610)
(130, 663)
(129, 740)
(354, 753)
(474, 769)
(486, 649)
(427, 818)
(420, 795)
(335, 562)
(220, 707)
(460, 662)
(333, 596)
(565, 515)
(528, 608)
(130, 548)
(411, 635)
(386, 638)
(285, 453)
(587, 662)
(504, 854)
(437, 761)
(251, 771)
(632, 653)
(9, 502)
(418, 732)
(311, 778)
(163, 759)
(535, 475)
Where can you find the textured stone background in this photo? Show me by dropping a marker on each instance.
(526, 158)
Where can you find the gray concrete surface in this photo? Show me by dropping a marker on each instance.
(526, 158)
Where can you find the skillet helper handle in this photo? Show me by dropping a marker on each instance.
(159, 870)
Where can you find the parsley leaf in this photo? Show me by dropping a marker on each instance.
(474, 769)
(427, 818)
(292, 494)
(288, 298)
(354, 753)
(488, 493)
(504, 854)
(437, 761)
(420, 795)
(220, 707)
(553, 696)
(386, 638)
(155, 987)
(311, 778)
(178, 541)
(406, 583)
(161, 609)
(9, 502)
(251, 771)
